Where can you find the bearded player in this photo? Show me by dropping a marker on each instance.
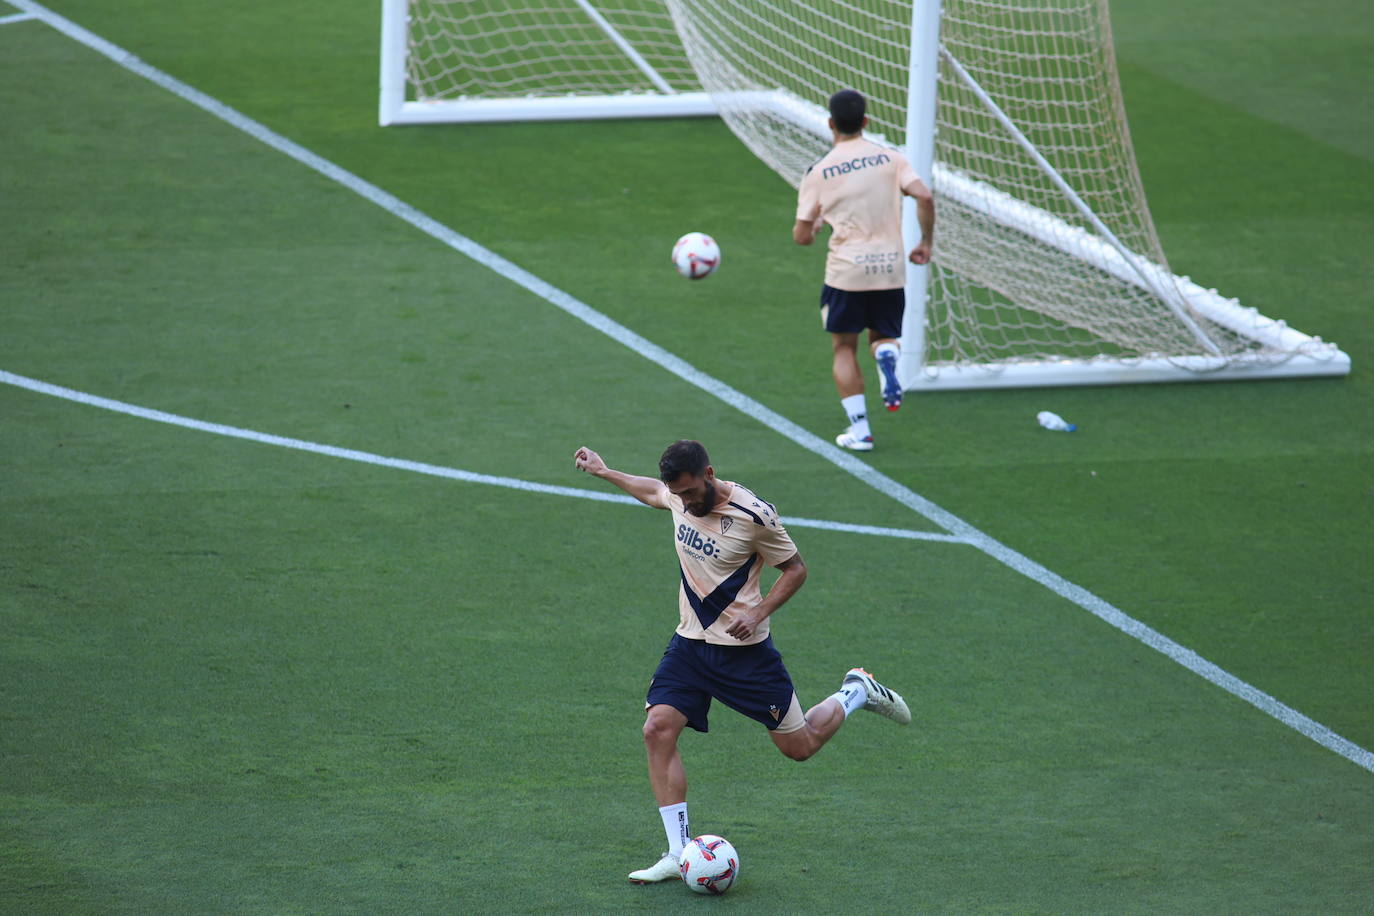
(722, 649)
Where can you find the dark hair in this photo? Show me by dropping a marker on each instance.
(685, 456)
(847, 107)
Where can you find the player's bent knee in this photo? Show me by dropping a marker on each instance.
(796, 746)
(662, 727)
(655, 732)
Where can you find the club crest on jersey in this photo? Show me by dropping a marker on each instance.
(725, 524)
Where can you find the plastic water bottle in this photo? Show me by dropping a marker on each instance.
(1055, 422)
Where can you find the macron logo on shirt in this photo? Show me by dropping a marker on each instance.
(853, 165)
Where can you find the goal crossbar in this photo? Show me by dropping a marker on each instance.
(394, 106)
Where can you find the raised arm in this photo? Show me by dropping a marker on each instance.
(649, 490)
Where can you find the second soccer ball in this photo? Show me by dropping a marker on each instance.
(696, 255)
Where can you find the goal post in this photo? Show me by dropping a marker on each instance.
(922, 97)
(1047, 267)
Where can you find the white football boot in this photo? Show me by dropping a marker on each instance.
(848, 440)
(662, 870)
(883, 701)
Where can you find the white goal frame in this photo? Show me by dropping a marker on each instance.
(1301, 355)
(394, 107)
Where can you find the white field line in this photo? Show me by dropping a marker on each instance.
(780, 424)
(418, 467)
(17, 17)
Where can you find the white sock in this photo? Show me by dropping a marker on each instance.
(853, 695)
(675, 825)
(892, 348)
(856, 409)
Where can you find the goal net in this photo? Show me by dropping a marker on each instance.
(1047, 267)
(485, 60)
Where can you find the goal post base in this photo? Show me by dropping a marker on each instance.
(549, 108)
(1074, 372)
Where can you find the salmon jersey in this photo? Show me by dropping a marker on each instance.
(721, 556)
(857, 187)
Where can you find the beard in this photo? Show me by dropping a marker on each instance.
(708, 502)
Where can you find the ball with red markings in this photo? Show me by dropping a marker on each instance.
(709, 864)
(696, 255)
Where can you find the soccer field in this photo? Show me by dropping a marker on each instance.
(306, 611)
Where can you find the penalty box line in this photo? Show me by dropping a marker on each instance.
(844, 460)
(420, 467)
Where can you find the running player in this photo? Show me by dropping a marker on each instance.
(721, 649)
(857, 188)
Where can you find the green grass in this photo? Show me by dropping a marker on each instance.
(237, 678)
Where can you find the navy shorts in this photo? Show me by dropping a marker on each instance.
(749, 679)
(849, 312)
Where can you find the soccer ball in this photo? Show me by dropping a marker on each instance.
(696, 255)
(709, 864)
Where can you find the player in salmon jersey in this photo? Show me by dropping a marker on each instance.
(857, 189)
(722, 649)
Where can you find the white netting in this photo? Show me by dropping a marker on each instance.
(488, 49)
(1019, 273)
